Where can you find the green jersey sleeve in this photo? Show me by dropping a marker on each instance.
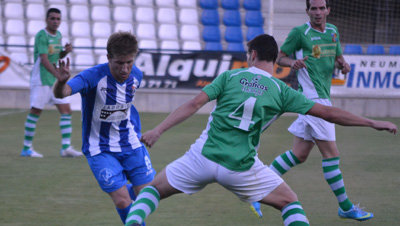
(214, 89)
(292, 42)
(42, 43)
(294, 101)
(339, 51)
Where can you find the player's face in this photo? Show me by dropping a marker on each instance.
(121, 66)
(53, 22)
(318, 13)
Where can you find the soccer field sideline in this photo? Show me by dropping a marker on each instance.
(58, 191)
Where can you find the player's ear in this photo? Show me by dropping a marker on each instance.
(253, 55)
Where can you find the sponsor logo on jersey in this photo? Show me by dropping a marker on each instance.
(253, 86)
(315, 38)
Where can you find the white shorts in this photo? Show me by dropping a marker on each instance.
(309, 127)
(192, 172)
(42, 95)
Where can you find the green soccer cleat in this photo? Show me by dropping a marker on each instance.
(255, 208)
(355, 213)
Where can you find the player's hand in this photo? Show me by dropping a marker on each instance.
(300, 63)
(63, 71)
(68, 47)
(150, 137)
(345, 68)
(385, 125)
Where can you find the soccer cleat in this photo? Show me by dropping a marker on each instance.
(31, 153)
(255, 208)
(355, 213)
(70, 152)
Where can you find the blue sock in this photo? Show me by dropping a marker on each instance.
(131, 192)
(123, 213)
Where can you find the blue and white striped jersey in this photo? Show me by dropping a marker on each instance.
(110, 122)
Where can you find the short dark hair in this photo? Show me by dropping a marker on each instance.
(122, 44)
(52, 10)
(265, 46)
(328, 5)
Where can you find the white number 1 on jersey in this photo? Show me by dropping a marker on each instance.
(245, 120)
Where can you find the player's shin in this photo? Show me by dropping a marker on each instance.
(284, 163)
(145, 204)
(333, 176)
(66, 130)
(294, 215)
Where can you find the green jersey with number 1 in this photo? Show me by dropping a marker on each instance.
(248, 101)
(322, 48)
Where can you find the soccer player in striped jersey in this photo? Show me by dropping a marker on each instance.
(248, 101)
(316, 46)
(47, 51)
(110, 122)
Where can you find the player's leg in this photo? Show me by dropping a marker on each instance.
(333, 176)
(66, 128)
(289, 159)
(285, 200)
(148, 199)
(189, 174)
(111, 178)
(266, 187)
(30, 128)
(39, 96)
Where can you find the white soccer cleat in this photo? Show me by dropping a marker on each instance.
(70, 152)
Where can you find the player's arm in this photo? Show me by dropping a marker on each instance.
(341, 63)
(345, 118)
(44, 60)
(61, 89)
(285, 61)
(183, 112)
(67, 49)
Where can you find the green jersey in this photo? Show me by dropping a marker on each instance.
(322, 48)
(45, 43)
(248, 101)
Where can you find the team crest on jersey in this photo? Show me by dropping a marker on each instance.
(316, 51)
(135, 85)
(106, 174)
(334, 37)
(253, 86)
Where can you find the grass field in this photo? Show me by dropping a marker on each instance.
(59, 191)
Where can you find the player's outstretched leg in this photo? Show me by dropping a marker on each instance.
(284, 163)
(133, 197)
(294, 215)
(255, 208)
(145, 204)
(280, 166)
(333, 176)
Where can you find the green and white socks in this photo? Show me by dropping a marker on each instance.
(145, 204)
(284, 163)
(66, 130)
(294, 215)
(30, 127)
(333, 176)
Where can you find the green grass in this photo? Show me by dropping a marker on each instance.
(59, 191)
